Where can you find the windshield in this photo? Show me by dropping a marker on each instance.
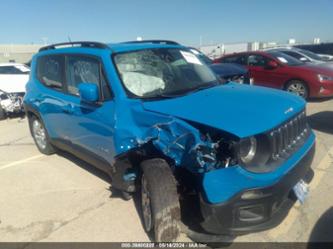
(202, 56)
(23, 68)
(286, 59)
(310, 54)
(162, 72)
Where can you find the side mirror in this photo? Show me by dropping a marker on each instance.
(272, 65)
(89, 92)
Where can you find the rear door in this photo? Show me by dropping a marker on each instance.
(50, 97)
(89, 126)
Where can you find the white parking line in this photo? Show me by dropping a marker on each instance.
(20, 161)
(320, 170)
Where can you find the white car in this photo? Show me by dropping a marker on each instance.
(13, 78)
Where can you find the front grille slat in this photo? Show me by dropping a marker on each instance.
(289, 135)
(298, 128)
(273, 138)
(293, 131)
(280, 140)
(285, 137)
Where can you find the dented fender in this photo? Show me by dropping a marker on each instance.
(173, 137)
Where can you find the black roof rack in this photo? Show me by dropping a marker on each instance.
(168, 42)
(85, 44)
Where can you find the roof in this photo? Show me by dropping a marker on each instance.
(114, 47)
(246, 52)
(124, 47)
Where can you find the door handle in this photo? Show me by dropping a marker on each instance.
(69, 108)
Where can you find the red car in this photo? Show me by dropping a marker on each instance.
(279, 70)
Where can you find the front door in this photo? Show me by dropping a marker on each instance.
(261, 74)
(90, 126)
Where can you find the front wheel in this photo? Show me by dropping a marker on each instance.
(159, 200)
(298, 87)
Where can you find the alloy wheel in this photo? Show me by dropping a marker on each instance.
(298, 88)
(39, 134)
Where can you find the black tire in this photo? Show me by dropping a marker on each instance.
(298, 87)
(158, 187)
(48, 149)
(2, 113)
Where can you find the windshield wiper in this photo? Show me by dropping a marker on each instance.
(158, 96)
(194, 89)
(181, 92)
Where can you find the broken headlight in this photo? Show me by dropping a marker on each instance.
(254, 153)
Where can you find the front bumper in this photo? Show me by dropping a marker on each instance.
(323, 90)
(238, 216)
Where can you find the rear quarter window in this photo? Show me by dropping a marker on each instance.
(50, 71)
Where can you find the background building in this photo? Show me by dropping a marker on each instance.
(217, 50)
(20, 53)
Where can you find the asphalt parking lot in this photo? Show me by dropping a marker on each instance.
(60, 198)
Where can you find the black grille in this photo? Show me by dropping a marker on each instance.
(287, 137)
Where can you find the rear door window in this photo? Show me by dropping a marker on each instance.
(257, 60)
(238, 59)
(50, 71)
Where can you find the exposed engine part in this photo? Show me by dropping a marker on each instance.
(199, 150)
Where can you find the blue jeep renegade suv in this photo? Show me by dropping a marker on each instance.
(155, 118)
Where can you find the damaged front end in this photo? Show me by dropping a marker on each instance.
(188, 147)
(193, 147)
(11, 102)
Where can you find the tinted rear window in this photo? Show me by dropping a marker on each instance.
(238, 59)
(50, 71)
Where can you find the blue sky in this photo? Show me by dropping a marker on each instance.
(182, 20)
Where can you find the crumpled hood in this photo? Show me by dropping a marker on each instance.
(238, 109)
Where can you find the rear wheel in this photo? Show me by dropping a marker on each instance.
(298, 87)
(159, 200)
(40, 136)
